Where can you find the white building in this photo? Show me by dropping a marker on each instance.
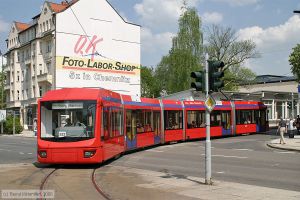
(84, 43)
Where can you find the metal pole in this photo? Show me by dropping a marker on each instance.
(207, 141)
(292, 105)
(2, 88)
(14, 123)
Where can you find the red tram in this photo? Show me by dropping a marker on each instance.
(93, 125)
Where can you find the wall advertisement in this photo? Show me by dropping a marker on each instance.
(102, 51)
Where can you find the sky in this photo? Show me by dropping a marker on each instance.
(271, 24)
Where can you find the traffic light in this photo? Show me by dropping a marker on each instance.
(199, 83)
(215, 75)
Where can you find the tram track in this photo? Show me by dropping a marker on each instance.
(44, 181)
(92, 178)
(97, 187)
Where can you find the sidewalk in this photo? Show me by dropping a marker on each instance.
(138, 184)
(292, 144)
(24, 133)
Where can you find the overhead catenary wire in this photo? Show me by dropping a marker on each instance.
(85, 33)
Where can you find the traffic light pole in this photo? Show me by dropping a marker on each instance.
(207, 141)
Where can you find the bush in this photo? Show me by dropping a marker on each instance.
(8, 125)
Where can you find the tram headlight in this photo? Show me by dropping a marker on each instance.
(43, 154)
(90, 153)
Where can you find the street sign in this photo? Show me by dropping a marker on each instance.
(2, 115)
(210, 103)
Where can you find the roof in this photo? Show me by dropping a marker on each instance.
(21, 26)
(58, 7)
(273, 79)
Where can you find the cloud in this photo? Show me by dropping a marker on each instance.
(4, 26)
(161, 15)
(238, 2)
(275, 43)
(154, 46)
(212, 18)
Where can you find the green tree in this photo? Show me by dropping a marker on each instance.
(8, 125)
(185, 56)
(294, 60)
(148, 83)
(236, 76)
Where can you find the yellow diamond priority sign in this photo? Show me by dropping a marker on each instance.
(210, 103)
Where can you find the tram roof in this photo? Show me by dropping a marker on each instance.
(72, 94)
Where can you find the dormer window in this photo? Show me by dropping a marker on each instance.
(13, 29)
(45, 10)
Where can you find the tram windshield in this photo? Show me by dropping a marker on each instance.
(67, 120)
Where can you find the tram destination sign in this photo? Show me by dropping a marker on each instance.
(69, 105)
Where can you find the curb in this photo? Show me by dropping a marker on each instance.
(282, 148)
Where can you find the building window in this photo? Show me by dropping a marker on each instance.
(41, 91)
(48, 65)
(22, 94)
(27, 94)
(44, 28)
(41, 47)
(48, 47)
(33, 91)
(12, 94)
(33, 70)
(18, 94)
(18, 76)
(33, 49)
(18, 56)
(47, 25)
(22, 75)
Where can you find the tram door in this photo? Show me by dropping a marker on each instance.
(131, 129)
(261, 122)
(157, 127)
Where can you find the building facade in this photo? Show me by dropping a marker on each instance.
(37, 54)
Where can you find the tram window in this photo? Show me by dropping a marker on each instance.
(70, 120)
(144, 121)
(116, 122)
(156, 122)
(112, 122)
(131, 124)
(226, 119)
(245, 117)
(173, 119)
(215, 118)
(105, 122)
(195, 119)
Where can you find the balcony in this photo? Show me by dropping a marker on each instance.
(13, 104)
(6, 68)
(44, 78)
(7, 86)
(27, 61)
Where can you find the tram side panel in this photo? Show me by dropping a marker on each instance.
(112, 135)
(173, 121)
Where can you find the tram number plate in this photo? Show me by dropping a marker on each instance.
(62, 134)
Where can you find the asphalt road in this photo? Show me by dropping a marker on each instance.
(15, 149)
(242, 159)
